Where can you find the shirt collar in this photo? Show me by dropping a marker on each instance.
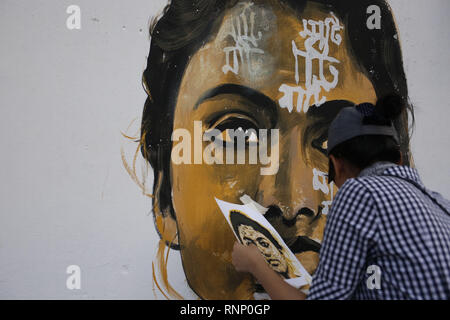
(390, 169)
(376, 169)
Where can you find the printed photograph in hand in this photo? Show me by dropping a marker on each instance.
(251, 227)
(250, 232)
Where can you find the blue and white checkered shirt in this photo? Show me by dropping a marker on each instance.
(387, 219)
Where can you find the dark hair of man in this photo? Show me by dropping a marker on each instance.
(186, 25)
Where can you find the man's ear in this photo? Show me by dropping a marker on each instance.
(400, 162)
(165, 222)
(336, 164)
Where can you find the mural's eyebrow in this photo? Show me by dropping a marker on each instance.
(316, 131)
(328, 110)
(258, 98)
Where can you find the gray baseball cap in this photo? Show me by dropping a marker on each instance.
(348, 124)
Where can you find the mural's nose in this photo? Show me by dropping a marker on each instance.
(291, 189)
(275, 212)
(288, 228)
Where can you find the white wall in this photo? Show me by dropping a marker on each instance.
(64, 98)
(424, 33)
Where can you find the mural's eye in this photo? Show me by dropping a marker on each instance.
(238, 128)
(320, 144)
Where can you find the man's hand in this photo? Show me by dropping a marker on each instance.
(247, 258)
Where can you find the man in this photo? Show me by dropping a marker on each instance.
(382, 220)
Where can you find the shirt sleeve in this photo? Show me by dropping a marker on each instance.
(349, 232)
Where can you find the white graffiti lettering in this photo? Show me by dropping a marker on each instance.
(320, 183)
(245, 42)
(318, 35)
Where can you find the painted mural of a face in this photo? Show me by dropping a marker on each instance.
(286, 65)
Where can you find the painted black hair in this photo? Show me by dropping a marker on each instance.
(186, 25)
(387, 109)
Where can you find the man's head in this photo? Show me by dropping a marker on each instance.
(362, 135)
(256, 47)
